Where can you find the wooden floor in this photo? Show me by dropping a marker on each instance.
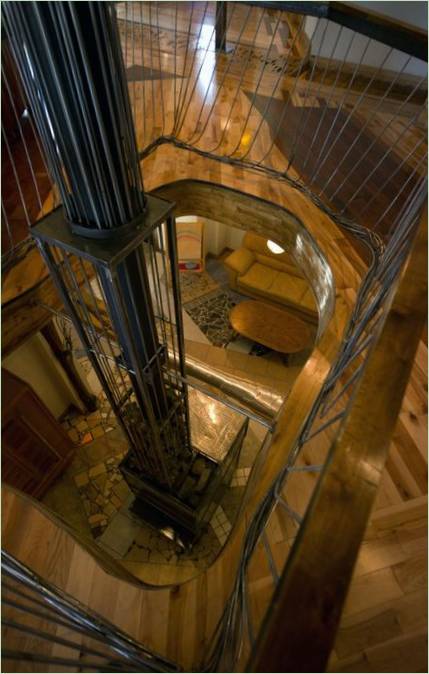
(35, 539)
(235, 106)
(391, 559)
(384, 622)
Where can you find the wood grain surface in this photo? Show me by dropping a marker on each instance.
(271, 326)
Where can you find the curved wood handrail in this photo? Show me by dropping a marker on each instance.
(155, 616)
(160, 613)
(307, 606)
(392, 32)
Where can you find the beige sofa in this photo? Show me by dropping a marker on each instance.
(254, 270)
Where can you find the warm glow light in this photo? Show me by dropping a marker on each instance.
(212, 412)
(245, 138)
(275, 248)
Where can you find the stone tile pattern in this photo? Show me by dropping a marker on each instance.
(211, 314)
(240, 477)
(208, 302)
(84, 428)
(252, 57)
(82, 482)
(131, 540)
(210, 310)
(103, 491)
(94, 486)
(221, 525)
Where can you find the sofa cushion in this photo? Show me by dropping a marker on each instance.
(259, 277)
(240, 260)
(279, 287)
(288, 287)
(294, 291)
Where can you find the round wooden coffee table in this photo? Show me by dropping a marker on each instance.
(271, 326)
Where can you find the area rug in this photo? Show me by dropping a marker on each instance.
(196, 284)
(211, 313)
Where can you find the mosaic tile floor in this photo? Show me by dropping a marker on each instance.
(102, 491)
(252, 56)
(210, 309)
(83, 429)
(93, 497)
(207, 299)
(129, 539)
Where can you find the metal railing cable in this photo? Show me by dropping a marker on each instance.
(257, 133)
(219, 89)
(305, 93)
(116, 651)
(19, 127)
(337, 75)
(387, 152)
(306, 112)
(271, 97)
(342, 101)
(387, 257)
(237, 91)
(186, 105)
(21, 144)
(332, 90)
(258, 84)
(224, 650)
(361, 130)
(15, 174)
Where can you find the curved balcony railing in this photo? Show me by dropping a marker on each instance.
(331, 102)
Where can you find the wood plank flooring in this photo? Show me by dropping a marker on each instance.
(52, 552)
(35, 539)
(384, 623)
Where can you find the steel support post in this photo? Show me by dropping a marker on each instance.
(220, 26)
(71, 63)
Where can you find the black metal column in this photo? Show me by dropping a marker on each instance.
(111, 251)
(220, 26)
(70, 59)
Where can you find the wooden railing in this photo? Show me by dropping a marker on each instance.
(398, 34)
(302, 621)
